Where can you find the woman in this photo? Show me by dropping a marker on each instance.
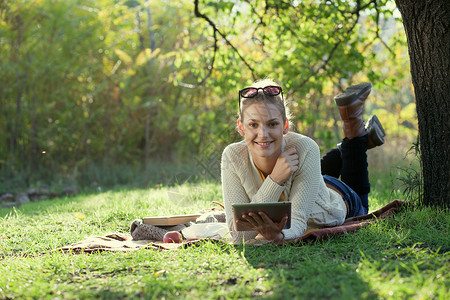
(273, 164)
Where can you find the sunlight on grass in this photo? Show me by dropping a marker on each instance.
(406, 256)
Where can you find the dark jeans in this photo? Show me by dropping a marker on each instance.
(354, 201)
(349, 162)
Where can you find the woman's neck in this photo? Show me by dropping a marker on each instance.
(265, 164)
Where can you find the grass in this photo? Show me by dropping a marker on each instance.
(406, 256)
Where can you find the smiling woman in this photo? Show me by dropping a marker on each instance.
(263, 131)
(272, 164)
(262, 122)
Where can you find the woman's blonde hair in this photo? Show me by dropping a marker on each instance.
(277, 100)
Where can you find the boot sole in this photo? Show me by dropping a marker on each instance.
(352, 93)
(361, 87)
(374, 122)
(375, 131)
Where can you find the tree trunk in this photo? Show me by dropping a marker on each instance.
(151, 109)
(34, 134)
(141, 36)
(427, 27)
(150, 30)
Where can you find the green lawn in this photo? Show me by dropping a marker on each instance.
(404, 257)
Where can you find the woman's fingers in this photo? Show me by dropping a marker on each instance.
(253, 219)
(291, 157)
(266, 219)
(283, 222)
(286, 165)
(291, 150)
(258, 220)
(264, 225)
(249, 220)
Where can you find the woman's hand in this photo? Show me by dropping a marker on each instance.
(265, 226)
(286, 165)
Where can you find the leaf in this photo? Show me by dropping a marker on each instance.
(124, 57)
(146, 55)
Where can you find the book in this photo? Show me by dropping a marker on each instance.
(170, 220)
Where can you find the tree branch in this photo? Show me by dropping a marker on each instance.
(331, 53)
(210, 68)
(216, 30)
(377, 33)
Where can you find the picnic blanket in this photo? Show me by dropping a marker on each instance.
(125, 242)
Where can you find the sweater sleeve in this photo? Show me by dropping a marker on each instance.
(304, 189)
(234, 192)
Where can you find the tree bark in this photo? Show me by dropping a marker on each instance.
(150, 30)
(34, 134)
(427, 27)
(151, 109)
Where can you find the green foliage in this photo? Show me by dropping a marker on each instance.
(411, 180)
(131, 82)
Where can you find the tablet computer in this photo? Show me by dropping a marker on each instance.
(274, 210)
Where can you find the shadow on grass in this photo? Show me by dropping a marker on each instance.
(311, 270)
(411, 249)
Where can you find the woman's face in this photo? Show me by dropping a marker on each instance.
(263, 130)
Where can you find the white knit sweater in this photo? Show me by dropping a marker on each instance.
(313, 204)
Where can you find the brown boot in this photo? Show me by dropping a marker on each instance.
(351, 108)
(375, 132)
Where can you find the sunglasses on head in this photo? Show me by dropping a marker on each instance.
(250, 92)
